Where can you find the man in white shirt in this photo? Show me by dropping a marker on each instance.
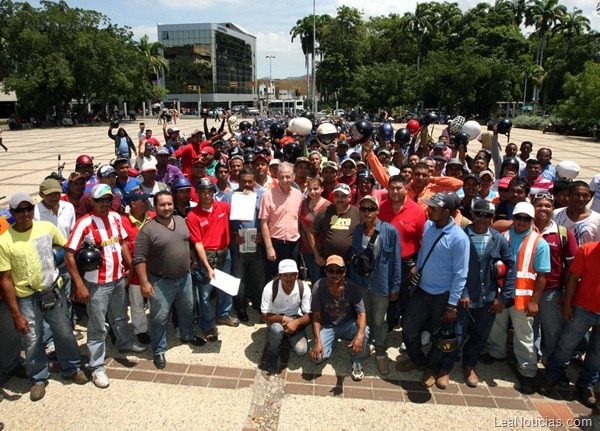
(577, 217)
(285, 309)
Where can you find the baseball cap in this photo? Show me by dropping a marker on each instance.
(348, 160)
(50, 186)
(274, 162)
(446, 200)
(473, 177)
(524, 208)
(329, 164)
(198, 160)
(100, 190)
(75, 176)
(482, 206)
(371, 199)
(486, 172)
(137, 195)
(260, 156)
(169, 130)
(148, 166)
(163, 151)
(106, 170)
(149, 146)
(344, 188)
(197, 132)
(207, 150)
(504, 182)
(120, 160)
(287, 266)
(454, 161)
(19, 198)
(533, 160)
(334, 259)
(302, 159)
(439, 145)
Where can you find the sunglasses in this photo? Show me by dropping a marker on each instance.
(522, 218)
(103, 200)
(23, 210)
(483, 215)
(543, 196)
(502, 189)
(334, 271)
(368, 209)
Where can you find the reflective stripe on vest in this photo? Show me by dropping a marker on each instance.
(525, 283)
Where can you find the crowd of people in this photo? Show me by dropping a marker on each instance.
(355, 231)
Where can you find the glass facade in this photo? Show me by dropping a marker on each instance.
(220, 58)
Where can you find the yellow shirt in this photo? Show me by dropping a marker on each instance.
(28, 255)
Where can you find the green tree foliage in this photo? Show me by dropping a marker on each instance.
(55, 54)
(582, 102)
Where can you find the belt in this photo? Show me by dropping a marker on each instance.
(217, 252)
(283, 241)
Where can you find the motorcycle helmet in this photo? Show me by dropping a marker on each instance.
(245, 125)
(510, 161)
(326, 134)
(413, 127)
(88, 258)
(456, 124)
(445, 340)
(402, 137)
(365, 174)
(247, 140)
(276, 130)
(180, 184)
(114, 124)
(498, 270)
(59, 255)
(429, 119)
(309, 115)
(504, 126)
(460, 139)
(567, 169)
(386, 131)
(291, 152)
(361, 131)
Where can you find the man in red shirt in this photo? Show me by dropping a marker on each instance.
(580, 310)
(409, 219)
(209, 232)
(189, 152)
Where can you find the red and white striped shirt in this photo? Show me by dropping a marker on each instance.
(106, 233)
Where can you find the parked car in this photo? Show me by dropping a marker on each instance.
(339, 113)
(253, 111)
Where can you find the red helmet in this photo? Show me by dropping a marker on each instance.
(413, 127)
(83, 160)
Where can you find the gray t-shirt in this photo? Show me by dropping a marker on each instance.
(165, 251)
(335, 312)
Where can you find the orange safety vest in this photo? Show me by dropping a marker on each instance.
(525, 283)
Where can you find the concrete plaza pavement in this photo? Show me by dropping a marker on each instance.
(220, 386)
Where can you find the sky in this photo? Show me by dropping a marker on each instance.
(269, 20)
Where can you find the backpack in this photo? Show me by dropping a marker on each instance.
(276, 289)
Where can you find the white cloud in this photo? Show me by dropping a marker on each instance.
(141, 30)
(288, 61)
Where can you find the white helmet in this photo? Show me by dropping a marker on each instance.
(301, 126)
(456, 125)
(326, 133)
(567, 169)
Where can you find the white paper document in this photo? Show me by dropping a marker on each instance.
(249, 235)
(226, 282)
(243, 206)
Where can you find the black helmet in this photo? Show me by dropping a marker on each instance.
(504, 126)
(114, 124)
(402, 137)
(248, 140)
(278, 154)
(248, 158)
(510, 161)
(446, 340)
(365, 174)
(361, 131)
(88, 258)
(276, 131)
(235, 151)
(291, 152)
(204, 113)
(309, 115)
(244, 125)
(461, 139)
(428, 119)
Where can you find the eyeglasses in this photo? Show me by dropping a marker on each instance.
(23, 210)
(334, 271)
(368, 209)
(483, 215)
(103, 200)
(522, 218)
(502, 189)
(543, 195)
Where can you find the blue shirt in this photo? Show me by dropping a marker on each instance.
(448, 265)
(541, 259)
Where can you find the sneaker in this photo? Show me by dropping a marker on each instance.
(211, 334)
(228, 321)
(587, 396)
(425, 338)
(134, 348)
(38, 391)
(144, 338)
(528, 385)
(79, 377)
(408, 365)
(50, 352)
(428, 378)
(382, 365)
(357, 372)
(100, 379)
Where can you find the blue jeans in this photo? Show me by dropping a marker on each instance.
(106, 300)
(345, 331)
(422, 307)
(67, 350)
(314, 270)
(474, 326)
(207, 313)
(376, 307)
(298, 340)
(166, 292)
(572, 334)
(66, 287)
(550, 318)
(250, 269)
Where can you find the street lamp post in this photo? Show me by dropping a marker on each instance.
(270, 57)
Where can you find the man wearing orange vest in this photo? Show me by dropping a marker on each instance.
(532, 254)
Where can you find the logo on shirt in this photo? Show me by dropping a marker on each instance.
(340, 223)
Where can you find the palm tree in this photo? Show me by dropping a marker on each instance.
(418, 23)
(572, 24)
(155, 61)
(304, 31)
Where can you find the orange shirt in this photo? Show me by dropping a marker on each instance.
(439, 184)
